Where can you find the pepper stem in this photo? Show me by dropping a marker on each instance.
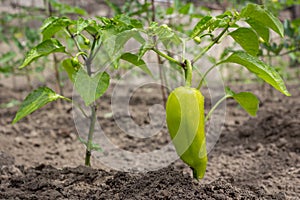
(188, 73)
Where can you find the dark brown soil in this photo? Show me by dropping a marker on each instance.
(255, 158)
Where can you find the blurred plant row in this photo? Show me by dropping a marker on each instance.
(20, 32)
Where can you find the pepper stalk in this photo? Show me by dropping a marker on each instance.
(188, 73)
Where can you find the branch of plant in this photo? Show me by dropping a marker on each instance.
(89, 59)
(166, 56)
(213, 42)
(97, 49)
(76, 42)
(76, 105)
(204, 76)
(215, 107)
(153, 11)
(285, 53)
(159, 60)
(207, 34)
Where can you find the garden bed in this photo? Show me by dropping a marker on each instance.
(255, 158)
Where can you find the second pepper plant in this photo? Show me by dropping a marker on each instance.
(185, 105)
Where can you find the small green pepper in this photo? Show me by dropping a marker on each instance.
(85, 40)
(186, 124)
(75, 63)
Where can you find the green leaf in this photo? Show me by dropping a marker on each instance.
(165, 34)
(114, 42)
(46, 47)
(247, 38)
(126, 21)
(10, 104)
(83, 141)
(47, 22)
(265, 17)
(248, 101)
(147, 46)
(202, 25)
(91, 88)
(123, 37)
(133, 59)
(70, 69)
(7, 57)
(96, 147)
(260, 29)
(35, 100)
(259, 68)
(53, 25)
(186, 9)
(169, 10)
(114, 7)
(66, 8)
(81, 25)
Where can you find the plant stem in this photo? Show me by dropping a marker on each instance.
(93, 107)
(89, 145)
(167, 57)
(215, 41)
(160, 62)
(58, 79)
(76, 42)
(204, 76)
(215, 106)
(161, 76)
(188, 73)
(153, 11)
(285, 53)
(89, 59)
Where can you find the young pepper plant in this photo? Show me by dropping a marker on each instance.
(89, 36)
(260, 22)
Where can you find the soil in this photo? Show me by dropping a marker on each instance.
(255, 157)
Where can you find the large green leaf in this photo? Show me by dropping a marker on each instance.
(53, 25)
(248, 101)
(202, 25)
(263, 16)
(114, 42)
(35, 100)
(134, 59)
(46, 47)
(259, 68)
(122, 38)
(91, 88)
(247, 38)
(260, 29)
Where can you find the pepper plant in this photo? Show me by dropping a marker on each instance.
(185, 105)
(90, 81)
(111, 35)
